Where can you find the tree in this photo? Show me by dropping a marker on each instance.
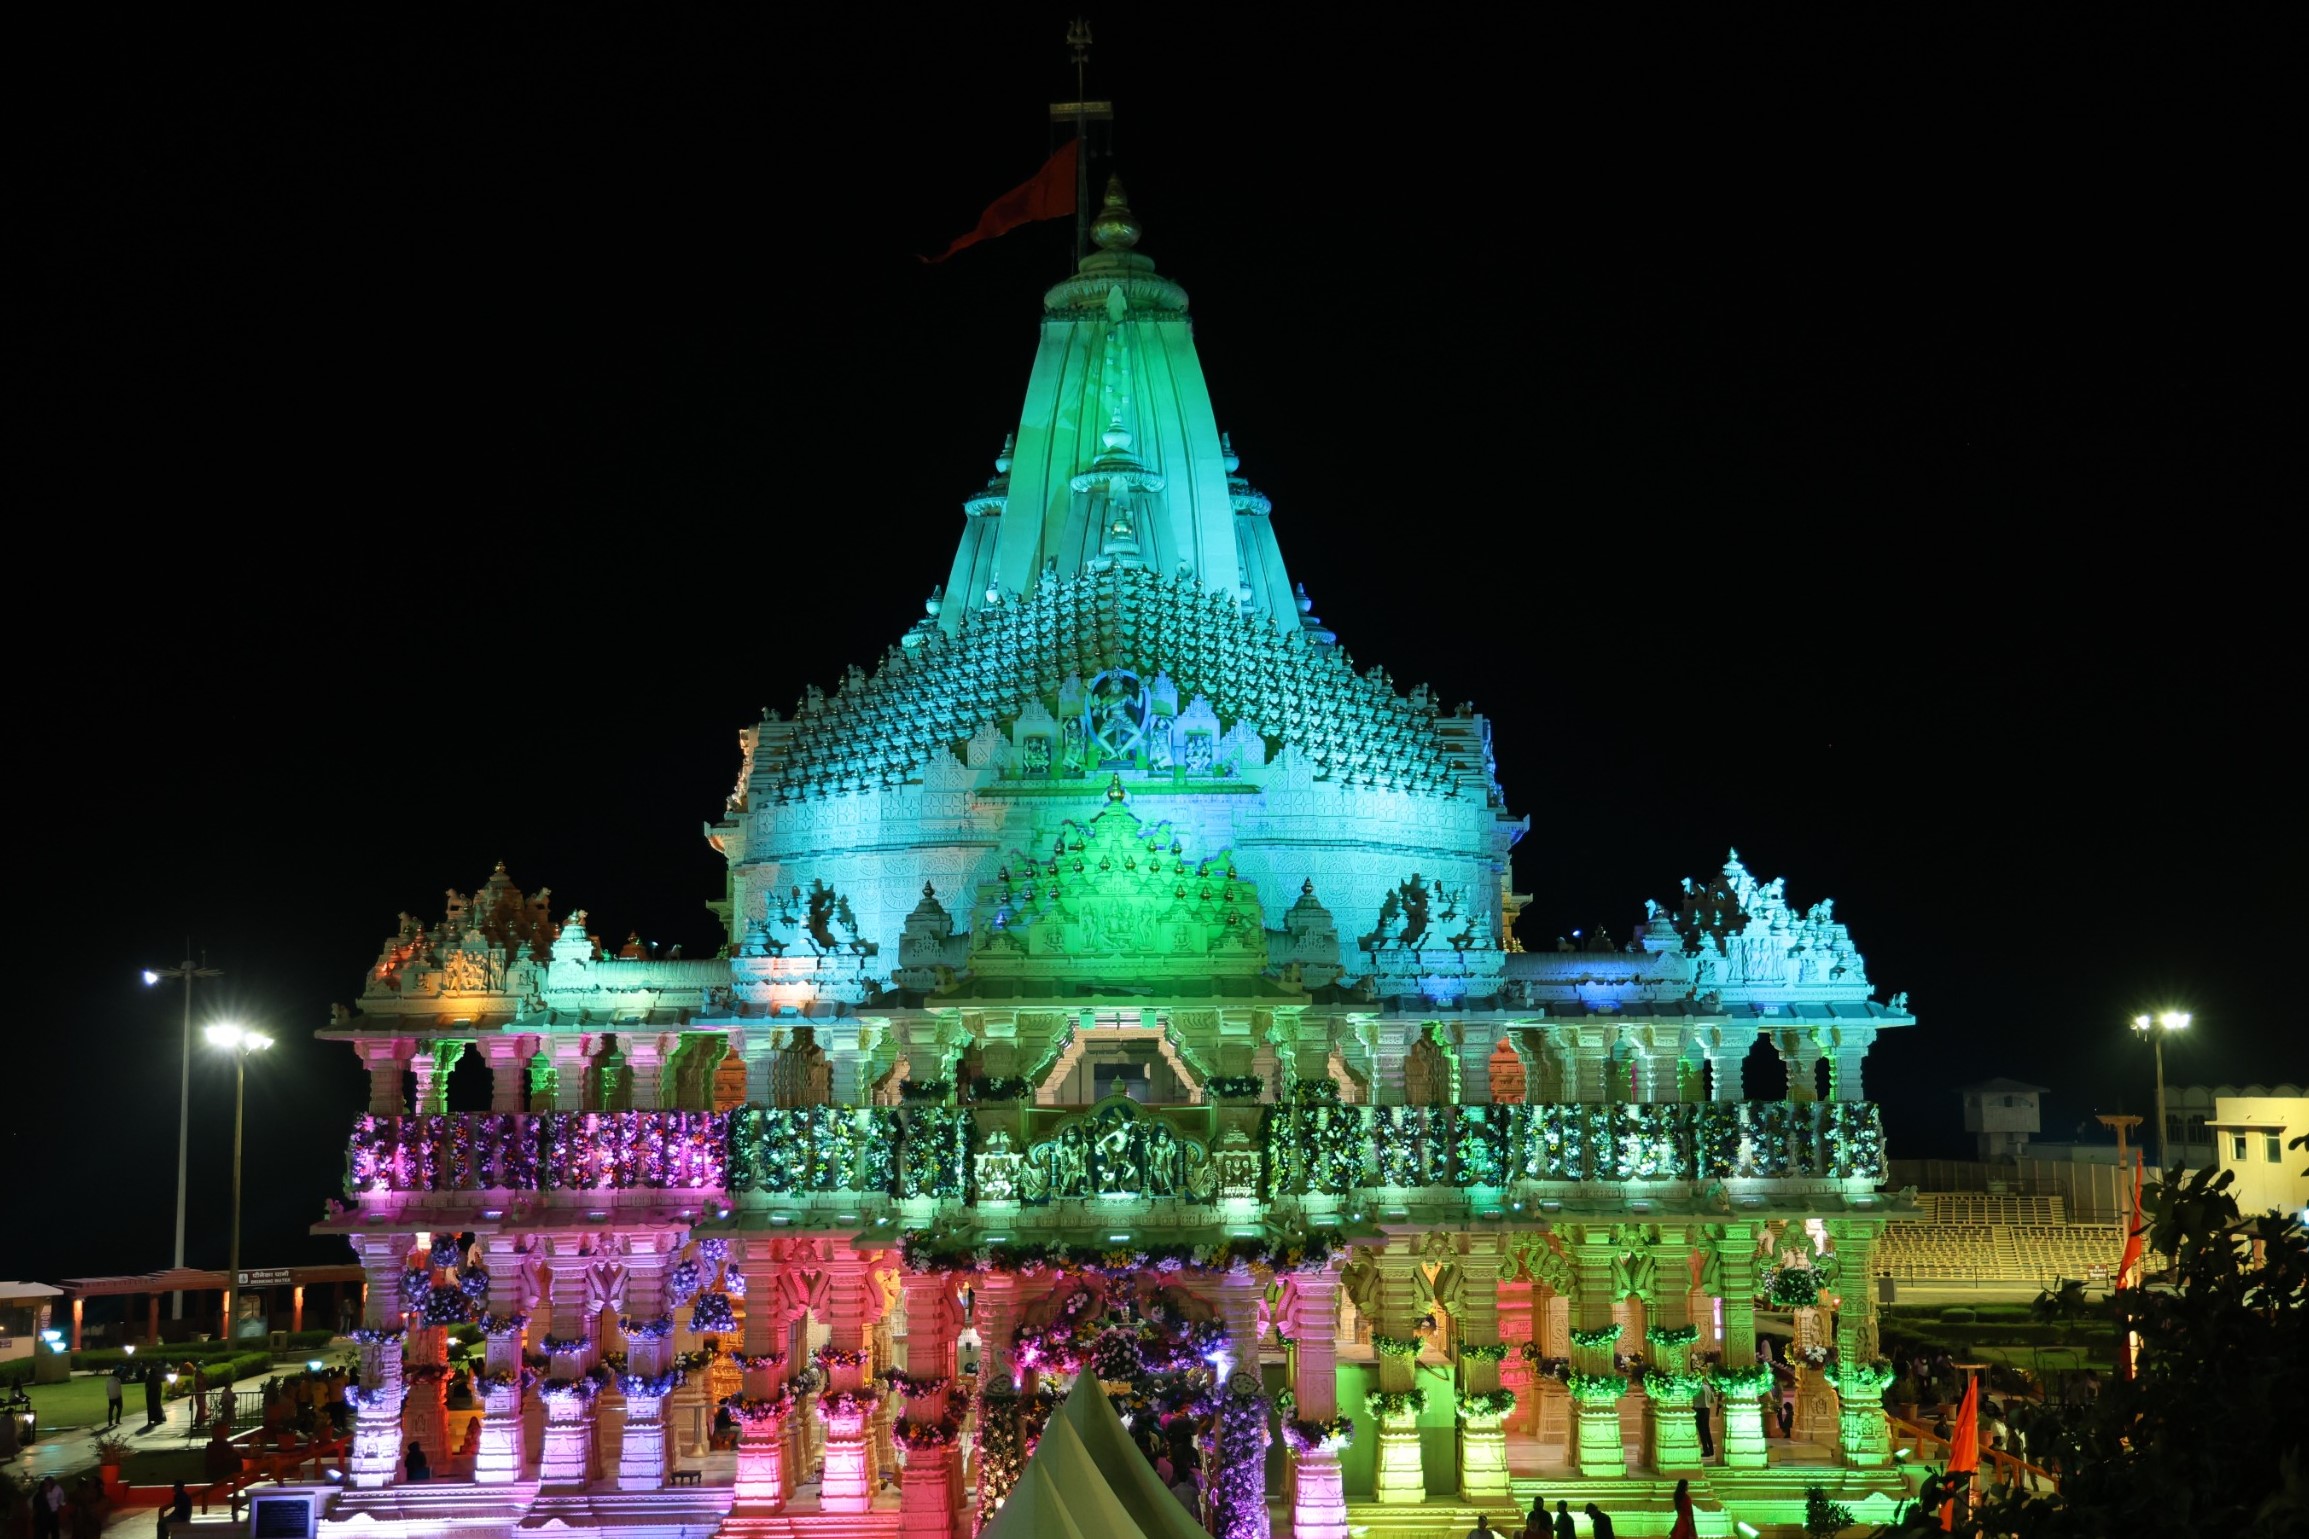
(2206, 1440)
(2062, 1304)
(1824, 1519)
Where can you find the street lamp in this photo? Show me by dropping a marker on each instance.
(188, 969)
(241, 1042)
(2156, 1028)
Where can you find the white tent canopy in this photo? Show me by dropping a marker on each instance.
(1087, 1481)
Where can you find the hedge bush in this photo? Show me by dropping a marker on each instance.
(1959, 1315)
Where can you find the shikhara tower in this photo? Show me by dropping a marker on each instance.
(1115, 940)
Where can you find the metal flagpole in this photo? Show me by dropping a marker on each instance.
(1078, 39)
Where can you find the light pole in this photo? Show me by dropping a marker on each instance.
(188, 970)
(2156, 1028)
(242, 1042)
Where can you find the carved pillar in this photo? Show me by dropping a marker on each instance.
(1400, 1478)
(929, 1490)
(430, 1066)
(497, 1459)
(1387, 1041)
(1482, 1442)
(758, 1046)
(850, 1043)
(1239, 1308)
(1800, 1051)
(1476, 1045)
(641, 1449)
(1849, 1045)
(569, 1424)
(996, 1311)
(1737, 1251)
(570, 1055)
(1318, 1498)
(846, 1485)
(1586, 1049)
(761, 1479)
(386, 1059)
(376, 1454)
(425, 1414)
(507, 1056)
(646, 1053)
(1305, 1040)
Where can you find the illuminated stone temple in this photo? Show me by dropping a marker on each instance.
(1120, 981)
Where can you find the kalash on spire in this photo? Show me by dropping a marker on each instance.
(1118, 613)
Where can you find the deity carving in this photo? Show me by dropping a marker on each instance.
(1114, 1152)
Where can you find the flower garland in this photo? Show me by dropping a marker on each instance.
(1671, 1336)
(1595, 1388)
(713, 1250)
(1394, 1402)
(711, 1315)
(1600, 1336)
(445, 1305)
(925, 1089)
(682, 1282)
(846, 1402)
(1743, 1383)
(1237, 1495)
(1864, 1383)
(1482, 1351)
(758, 1362)
(511, 1378)
(565, 1346)
(942, 1433)
(760, 1411)
(377, 1335)
(733, 1282)
(1001, 1450)
(648, 1330)
(1327, 1436)
(378, 1397)
(915, 1389)
(474, 1283)
(415, 1284)
(1813, 1357)
(584, 1387)
(447, 1252)
(1397, 1346)
(651, 1386)
(1792, 1287)
(831, 1357)
(504, 1325)
(1234, 1087)
(1000, 1087)
(923, 1252)
(1495, 1402)
(1670, 1389)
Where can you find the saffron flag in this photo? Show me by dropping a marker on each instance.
(2133, 1240)
(1048, 194)
(1963, 1444)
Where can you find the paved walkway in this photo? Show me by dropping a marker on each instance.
(66, 1453)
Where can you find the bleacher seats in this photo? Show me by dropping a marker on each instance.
(1976, 1237)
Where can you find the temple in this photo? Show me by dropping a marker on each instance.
(1120, 981)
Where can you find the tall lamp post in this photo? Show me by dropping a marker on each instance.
(2156, 1028)
(188, 969)
(241, 1042)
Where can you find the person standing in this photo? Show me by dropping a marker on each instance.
(1787, 1419)
(48, 1508)
(112, 1398)
(1703, 1412)
(1565, 1528)
(153, 1415)
(1536, 1526)
(1686, 1526)
(1598, 1523)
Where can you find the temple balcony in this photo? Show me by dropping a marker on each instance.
(1306, 1162)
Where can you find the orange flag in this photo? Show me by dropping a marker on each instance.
(1048, 194)
(2133, 1240)
(1963, 1444)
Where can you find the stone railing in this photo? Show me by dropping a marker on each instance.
(1310, 1146)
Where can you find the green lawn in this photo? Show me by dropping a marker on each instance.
(79, 1402)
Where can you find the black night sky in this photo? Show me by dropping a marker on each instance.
(438, 435)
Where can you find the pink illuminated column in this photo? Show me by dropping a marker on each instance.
(648, 1378)
(847, 1484)
(497, 1460)
(930, 1490)
(376, 1455)
(762, 1483)
(568, 1392)
(1318, 1501)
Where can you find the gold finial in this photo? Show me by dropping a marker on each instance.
(1116, 228)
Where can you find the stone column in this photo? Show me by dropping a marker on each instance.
(570, 1055)
(1482, 1443)
(376, 1454)
(641, 1450)
(426, 1411)
(850, 1043)
(1800, 1051)
(846, 1485)
(507, 1055)
(497, 1461)
(568, 1455)
(1399, 1479)
(758, 1046)
(1848, 1045)
(761, 1482)
(646, 1053)
(1476, 1045)
(929, 1485)
(430, 1066)
(1601, 1452)
(1737, 1250)
(1744, 1447)
(996, 1308)
(1239, 1308)
(1318, 1499)
(1864, 1436)
(1387, 1039)
(387, 1058)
